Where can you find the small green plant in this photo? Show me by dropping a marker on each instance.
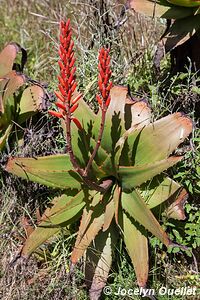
(111, 177)
(16, 104)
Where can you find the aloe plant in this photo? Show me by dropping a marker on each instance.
(17, 101)
(112, 176)
(184, 24)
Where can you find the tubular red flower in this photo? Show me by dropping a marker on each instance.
(55, 114)
(60, 105)
(73, 108)
(76, 99)
(99, 100)
(78, 124)
(60, 97)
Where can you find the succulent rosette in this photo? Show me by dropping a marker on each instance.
(111, 177)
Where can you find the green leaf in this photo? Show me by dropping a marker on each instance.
(30, 102)
(167, 193)
(64, 209)
(159, 190)
(84, 114)
(160, 8)
(155, 141)
(137, 247)
(8, 86)
(4, 136)
(134, 176)
(176, 209)
(54, 171)
(115, 124)
(87, 233)
(135, 206)
(109, 214)
(98, 261)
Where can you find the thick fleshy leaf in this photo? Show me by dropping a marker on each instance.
(30, 102)
(137, 247)
(165, 192)
(7, 58)
(98, 261)
(176, 209)
(116, 199)
(135, 206)
(12, 83)
(185, 3)
(64, 209)
(181, 31)
(8, 86)
(159, 190)
(82, 141)
(122, 113)
(155, 141)
(160, 8)
(140, 114)
(87, 215)
(88, 233)
(134, 176)
(54, 170)
(115, 116)
(4, 136)
(109, 214)
(84, 113)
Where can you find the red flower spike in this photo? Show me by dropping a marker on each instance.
(108, 101)
(77, 123)
(109, 86)
(55, 114)
(67, 79)
(62, 90)
(67, 24)
(62, 24)
(74, 86)
(99, 100)
(76, 99)
(61, 81)
(59, 96)
(61, 65)
(103, 92)
(60, 105)
(73, 108)
(68, 39)
(104, 78)
(108, 61)
(100, 83)
(69, 95)
(72, 63)
(102, 74)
